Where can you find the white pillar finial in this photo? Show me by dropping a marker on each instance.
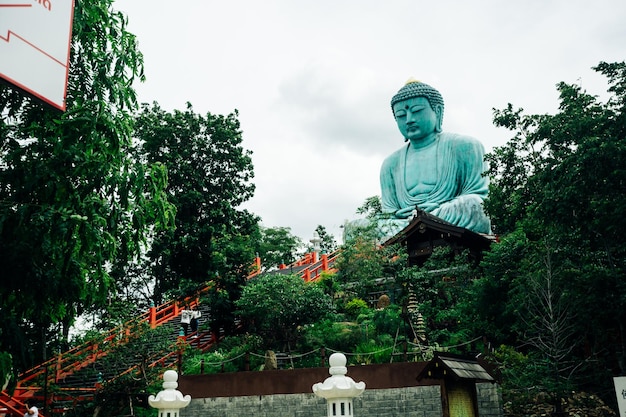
(338, 389)
(170, 400)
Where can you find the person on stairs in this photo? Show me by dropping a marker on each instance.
(195, 315)
(185, 319)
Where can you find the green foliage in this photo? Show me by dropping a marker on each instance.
(228, 356)
(372, 207)
(209, 176)
(527, 378)
(339, 336)
(494, 302)
(277, 246)
(275, 305)
(561, 170)
(327, 243)
(328, 283)
(514, 367)
(372, 340)
(442, 287)
(370, 352)
(75, 199)
(557, 195)
(7, 376)
(388, 321)
(355, 307)
(362, 262)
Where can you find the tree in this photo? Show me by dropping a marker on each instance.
(276, 305)
(73, 198)
(362, 261)
(209, 174)
(372, 207)
(327, 243)
(277, 246)
(493, 303)
(566, 168)
(562, 178)
(549, 327)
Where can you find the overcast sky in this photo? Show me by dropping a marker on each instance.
(312, 80)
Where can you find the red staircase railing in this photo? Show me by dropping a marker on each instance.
(30, 382)
(324, 265)
(315, 267)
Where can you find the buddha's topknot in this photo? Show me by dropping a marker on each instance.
(414, 88)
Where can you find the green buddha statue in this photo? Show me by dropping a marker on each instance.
(438, 172)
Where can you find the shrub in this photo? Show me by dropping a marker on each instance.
(228, 356)
(373, 352)
(340, 336)
(355, 307)
(388, 320)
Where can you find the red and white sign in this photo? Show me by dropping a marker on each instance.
(35, 38)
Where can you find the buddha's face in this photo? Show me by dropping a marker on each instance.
(416, 119)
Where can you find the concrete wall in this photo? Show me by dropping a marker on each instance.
(422, 401)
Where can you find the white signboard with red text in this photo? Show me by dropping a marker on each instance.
(35, 40)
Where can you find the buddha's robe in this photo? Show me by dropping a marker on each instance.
(458, 192)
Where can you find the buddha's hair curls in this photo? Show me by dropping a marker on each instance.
(414, 89)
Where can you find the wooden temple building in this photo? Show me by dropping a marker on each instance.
(426, 232)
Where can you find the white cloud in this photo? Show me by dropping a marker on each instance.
(312, 80)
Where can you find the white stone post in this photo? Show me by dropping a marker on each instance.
(338, 389)
(170, 400)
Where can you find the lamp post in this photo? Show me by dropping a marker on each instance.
(170, 400)
(338, 389)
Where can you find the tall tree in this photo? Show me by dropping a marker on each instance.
(562, 177)
(73, 198)
(209, 177)
(549, 327)
(362, 260)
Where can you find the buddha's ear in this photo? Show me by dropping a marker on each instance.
(439, 112)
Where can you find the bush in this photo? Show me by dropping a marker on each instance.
(339, 336)
(228, 356)
(355, 307)
(373, 352)
(388, 320)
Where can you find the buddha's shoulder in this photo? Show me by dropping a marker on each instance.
(456, 140)
(395, 156)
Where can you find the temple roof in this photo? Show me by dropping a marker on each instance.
(426, 231)
(445, 365)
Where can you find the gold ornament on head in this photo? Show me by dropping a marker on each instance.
(412, 80)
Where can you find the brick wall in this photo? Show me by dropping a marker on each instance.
(489, 400)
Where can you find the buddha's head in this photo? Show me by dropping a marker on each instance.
(428, 102)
